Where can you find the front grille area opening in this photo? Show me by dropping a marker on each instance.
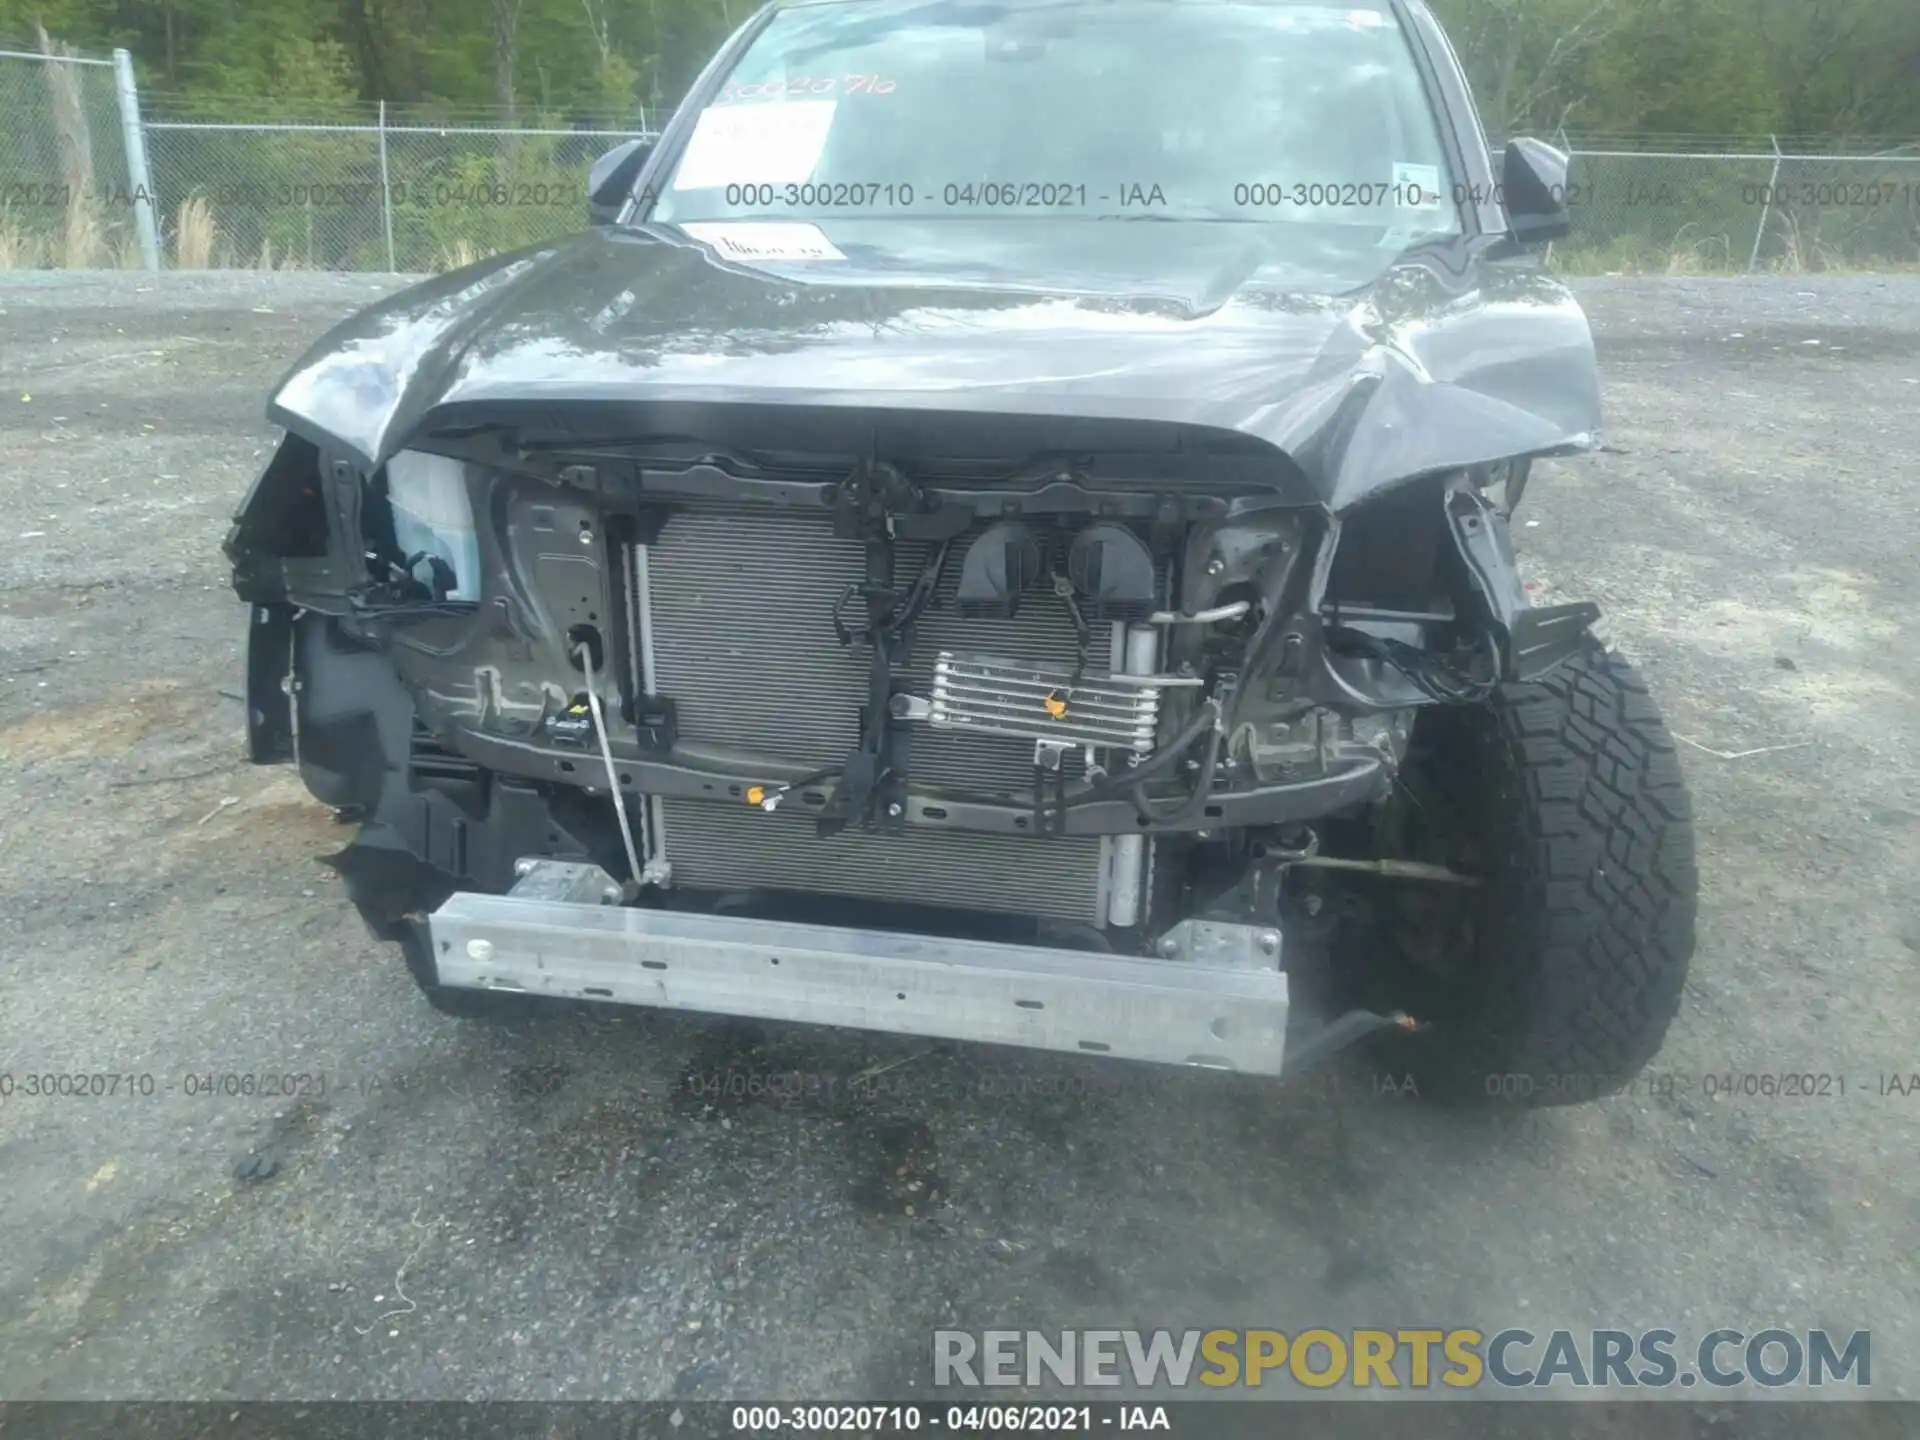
(736, 612)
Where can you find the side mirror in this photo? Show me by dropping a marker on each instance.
(610, 181)
(1533, 177)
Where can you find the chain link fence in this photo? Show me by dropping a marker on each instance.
(67, 196)
(393, 195)
(1729, 211)
(369, 188)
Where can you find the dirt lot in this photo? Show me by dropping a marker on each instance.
(564, 1211)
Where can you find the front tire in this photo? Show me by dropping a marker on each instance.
(1556, 981)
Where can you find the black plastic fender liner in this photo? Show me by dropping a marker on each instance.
(355, 717)
(433, 822)
(420, 846)
(270, 737)
(387, 882)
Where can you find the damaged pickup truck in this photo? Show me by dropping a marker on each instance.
(998, 530)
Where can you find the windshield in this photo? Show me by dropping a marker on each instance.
(1214, 110)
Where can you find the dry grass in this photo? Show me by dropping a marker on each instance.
(1708, 255)
(1802, 254)
(194, 234)
(20, 248)
(268, 260)
(82, 242)
(458, 255)
(122, 251)
(1789, 249)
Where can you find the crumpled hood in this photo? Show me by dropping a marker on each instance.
(1363, 371)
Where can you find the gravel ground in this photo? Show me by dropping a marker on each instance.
(556, 1212)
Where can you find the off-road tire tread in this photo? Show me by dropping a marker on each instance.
(1590, 923)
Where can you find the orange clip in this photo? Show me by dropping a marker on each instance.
(1055, 705)
(756, 794)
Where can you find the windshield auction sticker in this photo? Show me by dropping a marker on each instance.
(775, 144)
(1416, 187)
(764, 240)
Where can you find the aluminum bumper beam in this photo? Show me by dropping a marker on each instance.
(1221, 1005)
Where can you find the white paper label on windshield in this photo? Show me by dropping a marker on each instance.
(1416, 187)
(764, 239)
(755, 145)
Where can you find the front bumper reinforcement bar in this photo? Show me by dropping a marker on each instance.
(1220, 1000)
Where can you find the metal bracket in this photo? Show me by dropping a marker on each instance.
(1532, 640)
(909, 707)
(1050, 786)
(1219, 945)
(1049, 755)
(656, 722)
(868, 500)
(564, 882)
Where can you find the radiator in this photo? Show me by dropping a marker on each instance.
(739, 601)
